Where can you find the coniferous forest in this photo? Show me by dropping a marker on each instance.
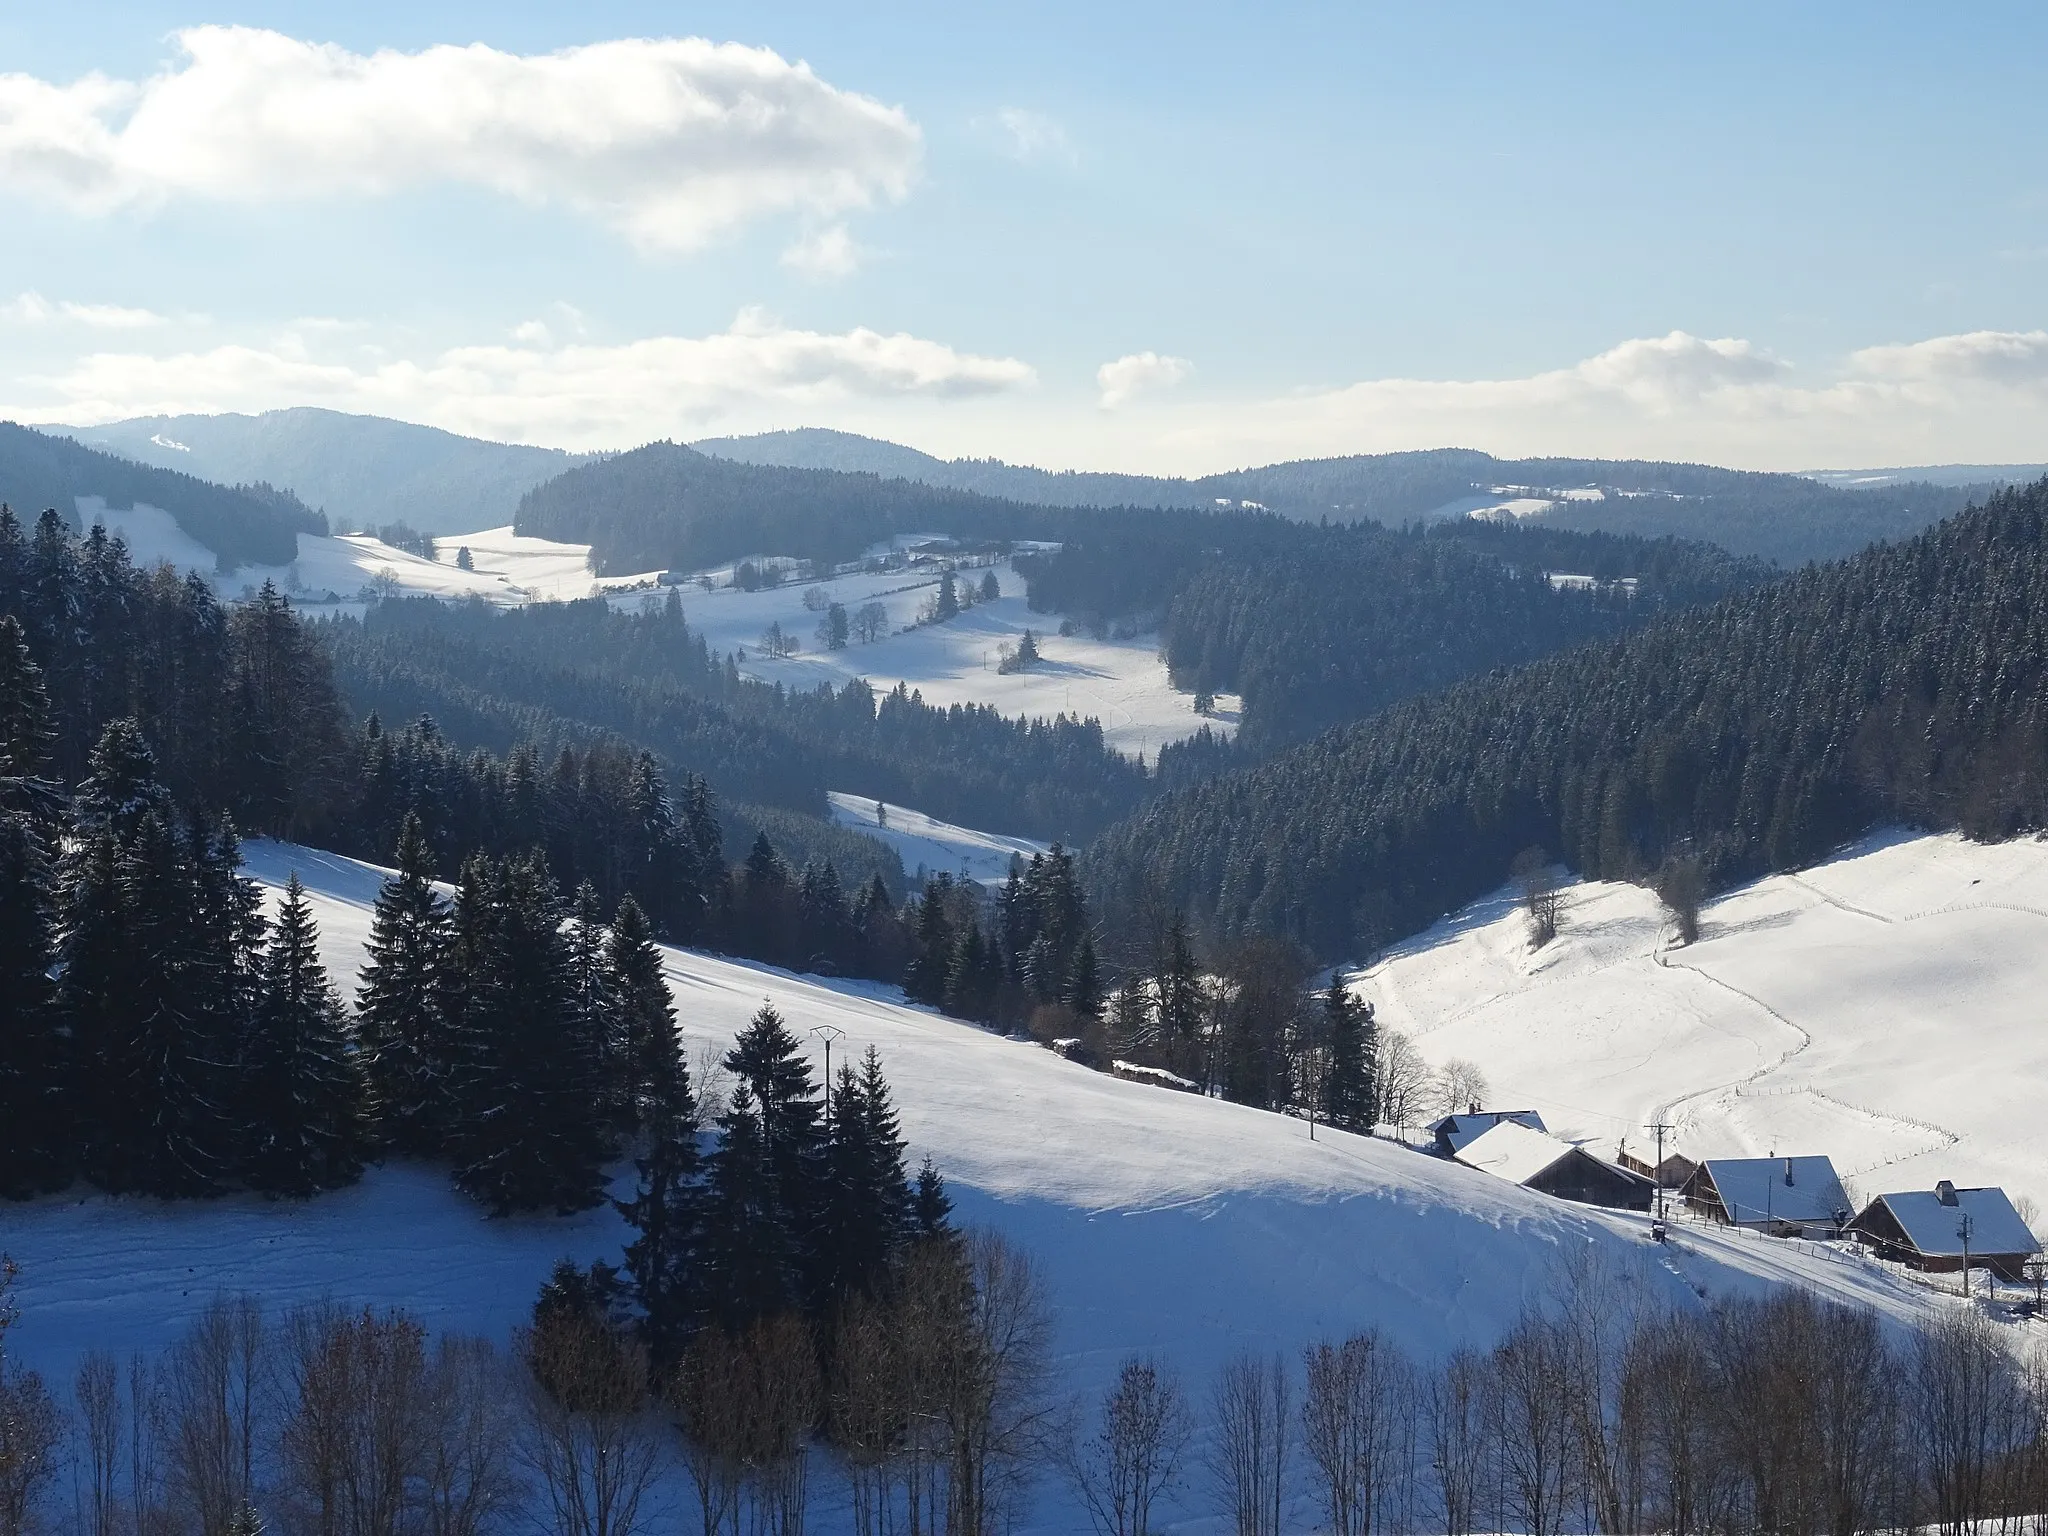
(1909, 683)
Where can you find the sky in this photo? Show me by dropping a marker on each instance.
(1170, 238)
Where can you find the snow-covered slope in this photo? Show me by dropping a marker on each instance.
(925, 843)
(1122, 683)
(1163, 1221)
(1885, 1008)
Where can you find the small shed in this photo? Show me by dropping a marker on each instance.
(1551, 1166)
(1934, 1229)
(1784, 1196)
(1453, 1131)
(1669, 1174)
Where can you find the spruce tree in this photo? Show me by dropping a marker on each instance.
(1084, 982)
(649, 1055)
(593, 1011)
(668, 1205)
(1179, 986)
(751, 1256)
(865, 1197)
(535, 1135)
(36, 1152)
(1347, 1090)
(25, 730)
(931, 1208)
(931, 966)
(310, 1129)
(400, 1018)
(787, 1110)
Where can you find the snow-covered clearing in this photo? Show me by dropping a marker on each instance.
(1884, 1008)
(1121, 683)
(1163, 1221)
(925, 843)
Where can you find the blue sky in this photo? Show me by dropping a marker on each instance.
(1167, 237)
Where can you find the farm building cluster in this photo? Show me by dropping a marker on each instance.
(1943, 1230)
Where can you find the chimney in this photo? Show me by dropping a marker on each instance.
(1945, 1192)
(1475, 1107)
(1788, 1173)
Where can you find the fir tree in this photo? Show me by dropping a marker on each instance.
(667, 1208)
(649, 1056)
(866, 1199)
(534, 1136)
(25, 730)
(310, 1128)
(399, 1004)
(750, 1254)
(593, 1013)
(1347, 1090)
(1083, 991)
(1179, 986)
(35, 1139)
(925, 979)
(931, 1208)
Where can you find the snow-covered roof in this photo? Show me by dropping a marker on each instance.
(1756, 1189)
(1511, 1150)
(1932, 1224)
(1461, 1129)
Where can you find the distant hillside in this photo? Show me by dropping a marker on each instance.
(1909, 684)
(1790, 519)
(362, 471)
(667, 506)
(243, 525)
(847, 452)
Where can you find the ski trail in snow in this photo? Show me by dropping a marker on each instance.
(1664, 1110)
(1835, 901)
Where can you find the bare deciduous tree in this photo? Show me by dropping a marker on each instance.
(1456, 1412)
(467, 1482)
(31, 1430)
(357, 1418)
(212, 1382)
(1532, 1428)
(1541, 896)
(1131, 1457)
(97, 1391)
(1357, 1428)
(1404, 1080)
(867, 1409)
(589, 1440)
(1253, 1408)
(1459, 1085)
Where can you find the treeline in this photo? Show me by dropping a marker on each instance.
(1909, 684)
(1781, 1413)
(243, 525)
(577, 673)
(237, 702)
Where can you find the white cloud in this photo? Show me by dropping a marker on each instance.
(1030, 137)
(574, 395)
(32, 308)
(1977, 357)
(822, 254)
(1137, 373)
(672, 141)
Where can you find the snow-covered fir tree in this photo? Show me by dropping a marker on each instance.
(309, 1124)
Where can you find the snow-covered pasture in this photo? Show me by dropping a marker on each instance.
(1163, 1222)
(1122, 683)
(1884, 1007)
(926, 843)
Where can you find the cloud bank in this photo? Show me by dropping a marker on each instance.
(575, 394)
(670, 141)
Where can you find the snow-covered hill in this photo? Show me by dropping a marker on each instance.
(1886, 1008)
(926, 843)
(1164, 1222)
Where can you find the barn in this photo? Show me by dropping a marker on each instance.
(1784, 1196)
(1453, 1131)
(1669, 1174)
(1539, 1161)
(1936, 1229)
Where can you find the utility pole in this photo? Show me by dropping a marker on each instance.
(1964, 1229)
(1657, 1173)
(828, 1033)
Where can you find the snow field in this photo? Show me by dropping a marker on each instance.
(1884, 1008)
(1121, 683)
(924, 842)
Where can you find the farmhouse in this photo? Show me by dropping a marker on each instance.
(1935, 1229)
(1539, 1161)
(1453, 1131)
(1784, 1196)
